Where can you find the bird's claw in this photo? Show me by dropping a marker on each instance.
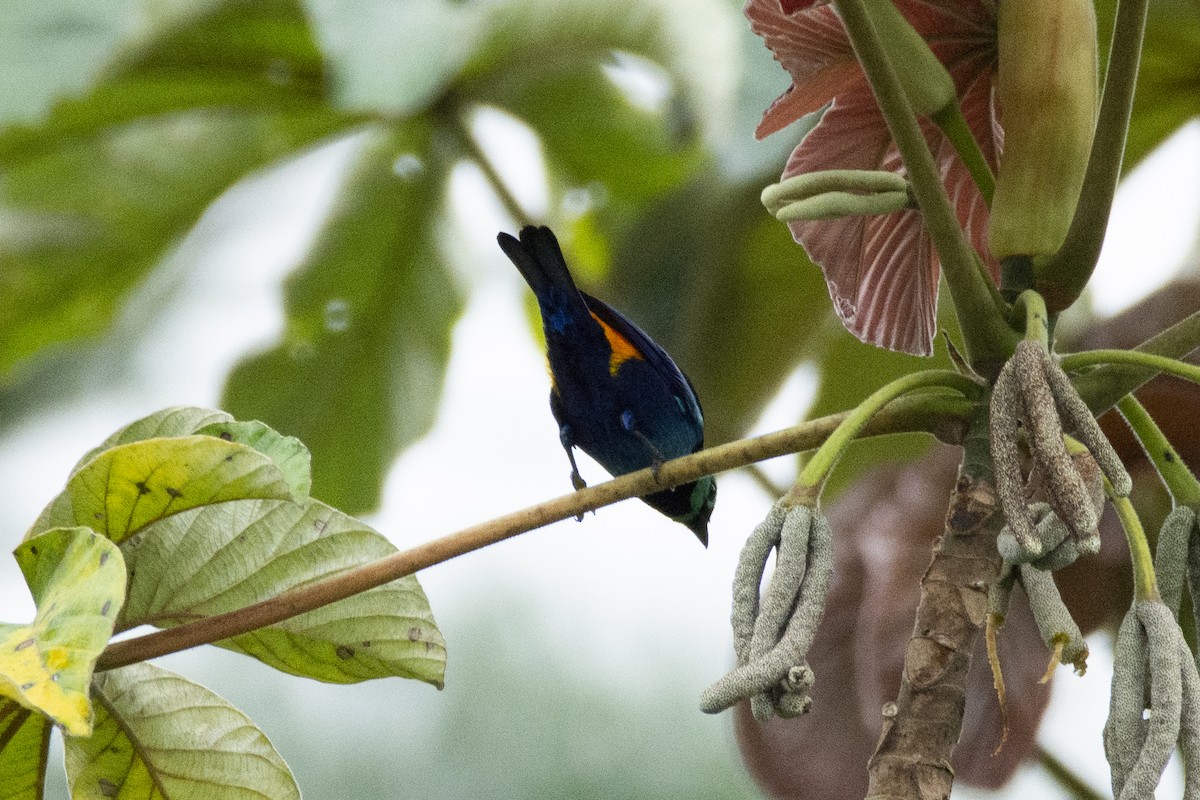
(656, 466)
(579, 483)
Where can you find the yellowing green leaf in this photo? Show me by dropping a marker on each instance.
(164, 424)
(24, 746)
(161, 737)
(78, 580)
(129, 486)
(288, 452)
(694, 41)
(219, 558)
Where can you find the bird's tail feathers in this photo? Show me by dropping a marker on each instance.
(539, 259)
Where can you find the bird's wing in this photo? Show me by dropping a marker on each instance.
(654, 355)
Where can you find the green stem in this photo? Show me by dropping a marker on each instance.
(818, 468)
(1030, 308)
(453, 121)
(1071, 783)
(1062, 277)
(987, 338)
(1102, 387)
(1179, 480)
(1145, 587)
(1171, 366)
(952, 122)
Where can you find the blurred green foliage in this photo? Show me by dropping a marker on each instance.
(121, 123)
(143, 115)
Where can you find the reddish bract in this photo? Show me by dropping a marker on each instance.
(882, 271)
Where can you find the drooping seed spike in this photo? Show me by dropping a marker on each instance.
(747, 579)
(761, 676)
(1053, 620)
(1125, 728)
(1189, 722)
(1006, 459)
(1171, 554)
(1166, 700)
(1080, 419)
(1065, 490)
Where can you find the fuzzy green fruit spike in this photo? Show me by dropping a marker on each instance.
(1048, 95)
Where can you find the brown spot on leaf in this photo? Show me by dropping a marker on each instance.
(414, 634)
(104, 557)
(175, 493)
(345, 653)
(142, 487)
(25, 687)
(106, 608)
(107, 787)
(227, 436)
(367, 643)
(1169, 456)
(28, 642)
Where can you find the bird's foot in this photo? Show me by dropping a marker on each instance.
(579, 483)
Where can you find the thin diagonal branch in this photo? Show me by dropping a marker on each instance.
(943, 415)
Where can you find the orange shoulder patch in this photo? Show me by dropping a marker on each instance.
(622, 348)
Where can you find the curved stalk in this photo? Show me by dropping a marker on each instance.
(821, 464)
(1179, 480)
(1171, 366)
(1145, 586)
(954, 125)
(1030, 308)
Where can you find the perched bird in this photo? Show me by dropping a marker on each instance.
(615, 393)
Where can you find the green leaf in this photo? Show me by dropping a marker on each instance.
(99, 192)
(426, 45)
(78, 581)
(695, 41)
(161, 736)
(720, 284)
(24, 751)
(219, 558)
(164, 424)
(50, 48)
(287, 452)
(359, 372)
(594, 135)
(1165, 98)
(129, 486)
(205, 54)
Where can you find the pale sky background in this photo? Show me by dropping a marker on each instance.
(624, 592)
